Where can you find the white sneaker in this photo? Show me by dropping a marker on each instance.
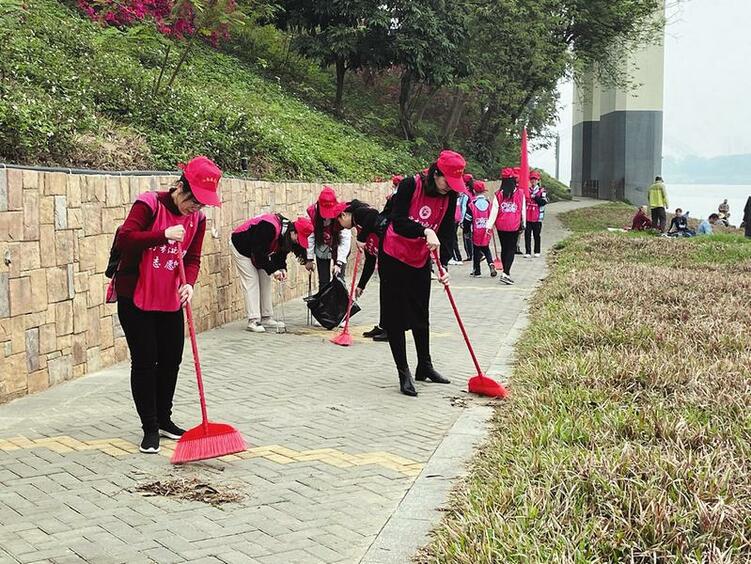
(453, 262)
(537, 255)
(254, 326)
(505, 279)
(270, 322)
(527, 256)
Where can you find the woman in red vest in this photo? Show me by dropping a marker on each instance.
(150, 296)
(478, 211)
(259, 249)
(536, 202)
(330, 243)
(507, 215)
(421, 220)
(371, 226)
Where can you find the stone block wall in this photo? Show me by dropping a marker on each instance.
(56, 230)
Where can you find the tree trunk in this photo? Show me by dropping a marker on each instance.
(425, 105)
(341, 69)
(158, 82)
(405, 119)
(181, 60)
(453, 117)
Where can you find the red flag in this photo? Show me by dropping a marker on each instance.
(524, 172)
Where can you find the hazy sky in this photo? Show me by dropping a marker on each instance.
(707, 84)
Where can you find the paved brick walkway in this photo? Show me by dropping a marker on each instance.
(334, 447)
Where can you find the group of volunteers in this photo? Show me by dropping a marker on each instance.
(165, 230)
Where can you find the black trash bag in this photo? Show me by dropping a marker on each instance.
(329, 305)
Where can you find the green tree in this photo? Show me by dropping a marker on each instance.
(348, 34)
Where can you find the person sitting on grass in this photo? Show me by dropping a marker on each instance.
(679, 225)
(641, 221)
(705, 227)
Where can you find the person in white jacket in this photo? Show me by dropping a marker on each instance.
(330, 242)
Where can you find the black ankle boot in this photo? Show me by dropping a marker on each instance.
(406, 384)
(425, 371)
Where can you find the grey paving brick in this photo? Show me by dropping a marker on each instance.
(296, 391)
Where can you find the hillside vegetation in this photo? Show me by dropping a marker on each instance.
(78, 94)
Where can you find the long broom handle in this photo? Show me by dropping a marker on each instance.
(352, 291)
(456, 313)
(193, 342)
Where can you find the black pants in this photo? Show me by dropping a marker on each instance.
(457, 253)
(533, 228)
(155, 340)
(467, 237)
(659, 218)
(477, 254)
(324, 271)
(398, 344)
(508, 248)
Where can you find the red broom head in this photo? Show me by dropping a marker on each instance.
(343, 339)
(212, 441)
(484, 386)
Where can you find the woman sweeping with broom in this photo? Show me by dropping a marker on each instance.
(371, 226)
(150, 296)
(421, 221)
(259, 249)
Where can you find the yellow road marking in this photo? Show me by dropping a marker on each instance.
(279, 454)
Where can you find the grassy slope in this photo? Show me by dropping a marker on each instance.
(80, 95)
(627, 436)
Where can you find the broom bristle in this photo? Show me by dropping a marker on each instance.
(343, 339)
(201, 444)
(484, 386)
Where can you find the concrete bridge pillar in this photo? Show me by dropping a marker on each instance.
(617, 132)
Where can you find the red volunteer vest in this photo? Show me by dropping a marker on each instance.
(158, 273)
(509, 211)
(271, 218)
(481, 234)
(372, 242)
(426, 210)
(533, 209)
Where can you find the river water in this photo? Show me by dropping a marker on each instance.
(702, 199)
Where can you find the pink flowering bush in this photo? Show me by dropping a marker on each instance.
(173, 19)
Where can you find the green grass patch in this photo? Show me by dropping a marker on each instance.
(72, 84)
(626, 437)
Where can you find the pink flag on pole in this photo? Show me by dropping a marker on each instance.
(524, 172)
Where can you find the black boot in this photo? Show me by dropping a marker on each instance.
(382, 337)
(373, 332)
(425, 371)
(406, 384)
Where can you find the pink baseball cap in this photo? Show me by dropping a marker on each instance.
(303, 228)
(396, 179)
(451, 164)
(507, 172)
(203, 177)
(328, 206)
(534, 175)
(480, 186)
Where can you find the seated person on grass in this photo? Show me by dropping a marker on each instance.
(679, 225)
(641, 221)
(705, 227)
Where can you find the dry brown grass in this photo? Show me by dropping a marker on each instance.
(627, 438)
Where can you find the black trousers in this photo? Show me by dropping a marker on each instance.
(155, 340)
(398, 344)
(477, 255)
(532, 228)
(457, 253)
(508, 248)
(467, 237)
(323, 267)
(659, 218)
